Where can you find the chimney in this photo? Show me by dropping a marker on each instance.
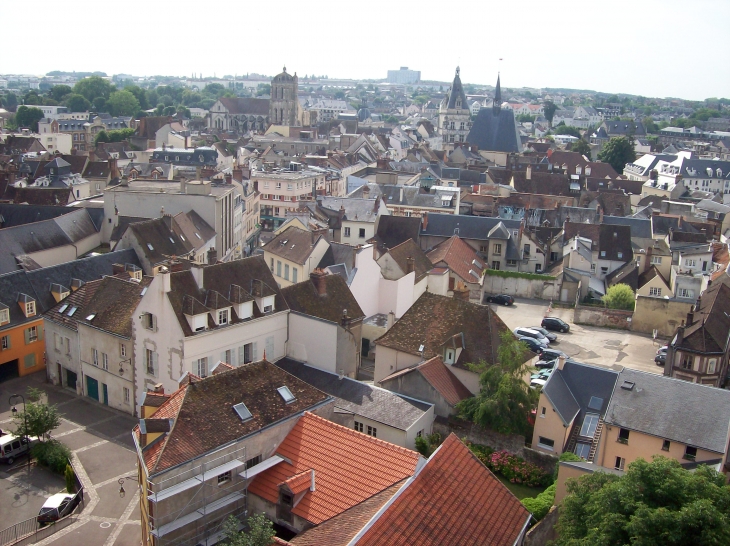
(376, 207)
(690, 316)
(311, 485)
(345, 320)
(229, 179)
(461, 293)
(390, 321)
(561, 362)
(165, 274)
(158, 389)
(212, 256)
(175, 265)
(600, 214)
(117, 268)
(528, 175)
(424, 221)
(410, 264)
(401, 195)
(366, 191)
(318, 278)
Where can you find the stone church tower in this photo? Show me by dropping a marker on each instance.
(284, 104)
(454, 120)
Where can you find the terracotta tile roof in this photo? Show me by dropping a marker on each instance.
(542, 183)
(203, 413)
(349, 466)
(341, 529)
(454, 499)
(460, 258)
(299, 482)
(409, 249)
(443, 380)
(435, 321)
(711, 323)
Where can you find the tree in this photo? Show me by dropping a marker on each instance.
(567, 130)
(426, 445)
(139, 94)
(619, 296)
(505, 400)
(93, 87)
(99, 104)
(260, 531)
(37, 419)
(549, 109)
(122, 103)
(11, 101)
(263, 89)
(118, 135)
(77, 103)
(101, 136)
(650, 126)
(28, 117)
(59, 92)
(618, 152)
(168, 111)
(340, 95)
(653, 503)
(581, 147)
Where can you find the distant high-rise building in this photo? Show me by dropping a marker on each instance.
(404, 76)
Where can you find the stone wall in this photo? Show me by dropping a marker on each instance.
(544, 460)
(522, 288)
(659, 314)
(599, 316)
(544, 530)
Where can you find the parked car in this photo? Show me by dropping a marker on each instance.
(555, 324)
(660, 359)
(551, 337)
(12, 447)
(662, 350)
(542, 374)
(543, 364)
(532, 344)
(552, 354)
(534, 334)
(535, 383)
(57, 506)
(500, 299)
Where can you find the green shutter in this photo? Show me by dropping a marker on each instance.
(29, 360)
(40, 333)
(26, 333)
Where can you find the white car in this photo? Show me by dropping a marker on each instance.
(535, 383)
(534, 334)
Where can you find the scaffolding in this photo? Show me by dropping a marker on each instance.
(190, 507)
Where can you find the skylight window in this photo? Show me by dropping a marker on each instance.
(172, 240)
(183, 238)
(63, 308)
(71, 311)
(595, 403)
(150, 246)
(144, 291)
(198, 235)
(286, 394)
(242, 412)
(90, 317)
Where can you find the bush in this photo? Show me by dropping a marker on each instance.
(511, 467)
(70, 479)
(52, 454)
(619, 296)
(517, 275)
(539, 506)
(426, 445)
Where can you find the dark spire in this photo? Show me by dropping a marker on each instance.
(497, 104)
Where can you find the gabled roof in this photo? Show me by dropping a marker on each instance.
(440, 377)
(655, 404)
(708, 332)
(615, 241)
(394, 230)
(434, 321)
(452, 499)
(626, 274)
(466, 227)
(355, 209)
(204, 418)
(158, 240)
(649, 274)
(349, 466)
(293, 244)
(359, 398)
(640, 227)
(460, 258)
(495, 129)
(409, 249)
(303, 298)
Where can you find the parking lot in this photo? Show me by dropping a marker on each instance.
(599, 346)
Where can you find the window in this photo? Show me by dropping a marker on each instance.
(4, 316)
(105, 361)
(512, 263)
(362, 233)
(690, 263)
(527, 250)
(253, 461)
(542, 412)
(665, 445)
(200, 367)
(483, 249)
(272, 264)
(150, 359)
(690, 453)
(593, 268)
(31, 334)
(94, 357)
(603, 253)
(619, 254)
(495, 264)
(655, 291)
(149, 321)
(685, 293)
(590, 423)
(278, 268)
(286, 271)
(223, 478)
(372, 431)
(620, 462)
(497, 249)
(538, 268)
(30, 309)
(294, 272)
(347, 232)
(6, 342)
(687, 361)
(122, 349)
(68, 345)
(223, 316)
(358, 427)
(604, 270)
(711, 365)
(656, 260)
(545, 443)
(623, 436)
(582, 450)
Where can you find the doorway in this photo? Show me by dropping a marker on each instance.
(92, 388)
(71, 379)
(9, 370)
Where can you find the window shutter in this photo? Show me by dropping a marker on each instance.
(255, 351)
(223, 358)
(10, 339)
(40, 333)
(29, 360)
(26, 333)
(241, 353)
(270, 348)
(154, 323)
(154, 363)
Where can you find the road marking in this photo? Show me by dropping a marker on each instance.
(91, 446)
(133, 503)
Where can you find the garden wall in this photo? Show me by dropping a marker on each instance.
(600, 316)
(544, 531)
(514, 443)
(522, 288)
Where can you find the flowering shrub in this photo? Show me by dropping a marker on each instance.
(512, 467)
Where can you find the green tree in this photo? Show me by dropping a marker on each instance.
(101, 136)
(183, 111)
(653, 503)
(31, 98)
(260, 531)
(505, 400)
(567, 130)
(70, 478)
(93, 87)
(618, 152)
(549, 109)
(28, 117)
(340, 95)
(77, 103)
(139, 94)
(263, 89)
(650, 126)
(59, 92)
(122, 103)
(99, 104)
(169, 111)
(37, 419)
(540, 505)
(581, 147)
(619, 296)
(426, 445)
(118, 135)
(11, 101)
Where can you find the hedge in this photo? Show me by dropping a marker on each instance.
(517, 275)
(52, 454)
(539, 506)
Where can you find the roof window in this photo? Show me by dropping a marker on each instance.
(149, 245)
(63, 308)
(242, 411)
(628, 385)
(91, 317)
(71, 311)
(286, 394)
(595, 403)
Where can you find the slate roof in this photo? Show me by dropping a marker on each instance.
(495, 130)
(457, 93)
(466, 227)
(626, 274)
(293, 244)
(437, 321)
(615, 240)
(356, 209)
(18, 215)
(303, 298)
(204, 418)
(460, 258)
(394, 230)
(440, 377)
(453, 499)
(158, 241)
(349, 466)
(570, 389)
(40, 195)
(543, 183)
(409, 249)
(623, 128)
(640, 227)
(97, 169)
(649, 274)
(656, 405)
(247, 106)
(356, 397)
(708, 332)
(572, 159)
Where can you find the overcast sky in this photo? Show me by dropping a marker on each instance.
(656, 48)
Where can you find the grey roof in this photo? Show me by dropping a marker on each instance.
(356, 209)
(657, 405)
(496, 130)
(498, 232)
(457, 92)
(17, 215)
(640, 227)
(359, 398)
(570, 389)
(469, 227)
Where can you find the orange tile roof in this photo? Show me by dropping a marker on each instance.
(454, 499)
(349, 467)
(459, 256)
(299, 482)
(444, 381)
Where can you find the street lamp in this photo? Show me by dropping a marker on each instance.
(25, 421)
(120, 481)
(121, 368)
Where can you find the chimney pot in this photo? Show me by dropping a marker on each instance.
(561, 362)
(318, 278)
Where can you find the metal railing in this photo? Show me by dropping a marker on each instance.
(16, 532)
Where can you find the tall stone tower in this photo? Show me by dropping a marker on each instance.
(454, 120)
(284, 104)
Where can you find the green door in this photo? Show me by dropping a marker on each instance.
(106, 394)
(92, 388)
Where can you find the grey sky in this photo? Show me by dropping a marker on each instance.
(647, 47)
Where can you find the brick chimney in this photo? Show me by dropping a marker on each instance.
(212, 256)
(424, 221)
(561, 362)
(461, 293)
(319, 280)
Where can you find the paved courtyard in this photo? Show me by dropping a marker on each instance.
(100, 439)
(589, 344)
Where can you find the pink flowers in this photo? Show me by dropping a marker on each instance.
(515, 469)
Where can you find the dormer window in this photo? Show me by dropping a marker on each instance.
(222, 317)
(4, 315)
(449, 356)
(30, 309)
